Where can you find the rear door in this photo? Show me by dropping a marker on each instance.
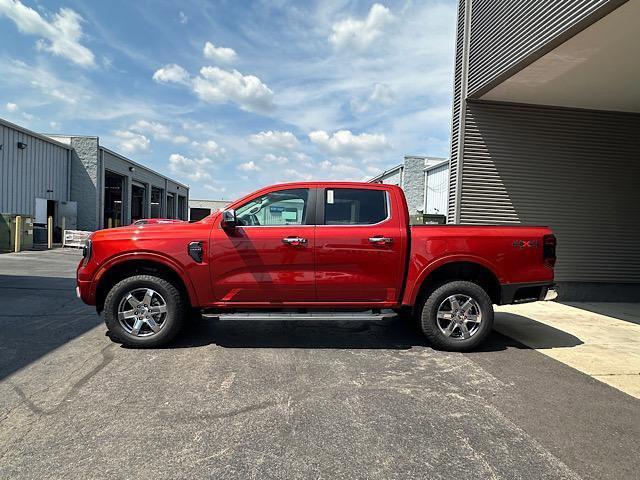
(268, 258)
(360, 246)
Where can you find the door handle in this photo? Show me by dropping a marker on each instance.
(294, 241)
(380, 240)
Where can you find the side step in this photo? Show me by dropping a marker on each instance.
(315, 316)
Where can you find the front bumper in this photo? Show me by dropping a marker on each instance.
(84, 292)
(527, 292)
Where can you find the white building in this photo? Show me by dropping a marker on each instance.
(425, 181)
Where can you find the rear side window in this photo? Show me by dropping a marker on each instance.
(352, 206)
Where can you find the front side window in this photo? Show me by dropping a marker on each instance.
(284, 207)
(352, 206)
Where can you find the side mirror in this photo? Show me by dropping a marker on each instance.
(229, 219)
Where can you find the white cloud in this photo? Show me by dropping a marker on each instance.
(195, 169)
(158, 131)
(210, 147)
(343, 143)
(54, 125)
(130, 142)
(216, 189)
(275, 159)
(381, 95)
(274, 140)
(219, 54)
(215, 85)
(59, 35)
(341, 171)
(291, 174)
(11, 107)
(182, 18)
(171, 73)
(360, 34)
(249, 167)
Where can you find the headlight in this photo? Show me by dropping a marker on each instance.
(86, 251)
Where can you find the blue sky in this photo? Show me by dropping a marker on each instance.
(228, 96)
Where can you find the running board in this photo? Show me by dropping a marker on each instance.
(316, 316)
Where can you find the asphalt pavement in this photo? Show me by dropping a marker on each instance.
(252, 399)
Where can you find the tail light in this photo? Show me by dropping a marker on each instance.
(549, 250)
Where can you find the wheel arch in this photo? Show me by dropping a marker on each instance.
(129, 265)
(457, 269)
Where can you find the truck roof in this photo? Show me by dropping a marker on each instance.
(329, 182)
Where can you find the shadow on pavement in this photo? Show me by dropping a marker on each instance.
(37, 315)
(395, 333)
(628, 312)
(536, 334)
(387, 334)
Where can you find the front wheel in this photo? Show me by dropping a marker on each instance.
(457, 316)
(144, 311)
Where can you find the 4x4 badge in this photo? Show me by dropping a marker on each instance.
(525, 243)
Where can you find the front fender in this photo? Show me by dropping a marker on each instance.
(154, 257)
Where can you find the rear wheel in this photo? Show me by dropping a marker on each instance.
(457, 316)
(144, 311)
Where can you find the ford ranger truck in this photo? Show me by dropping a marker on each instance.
(314, 250)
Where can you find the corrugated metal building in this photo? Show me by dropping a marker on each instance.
(436, 188)
(546, 130)
(199, 209)
(76, 178)
(424, 181)
(32, 166)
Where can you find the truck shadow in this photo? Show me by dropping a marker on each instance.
(393, 334)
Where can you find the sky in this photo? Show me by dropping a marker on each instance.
(229, 96)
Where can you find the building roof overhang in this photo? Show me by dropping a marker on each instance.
(598, 68)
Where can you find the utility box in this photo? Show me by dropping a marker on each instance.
(433, 219)
(8, 232)
(427, 219)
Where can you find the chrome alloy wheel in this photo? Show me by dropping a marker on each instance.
(459, 316)
(142, 312)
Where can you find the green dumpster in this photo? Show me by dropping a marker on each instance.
(8, 232)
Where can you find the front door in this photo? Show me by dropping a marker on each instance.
(268, 257)
(359, 247)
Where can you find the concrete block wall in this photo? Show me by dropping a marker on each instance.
(84, 180)
(413, 183)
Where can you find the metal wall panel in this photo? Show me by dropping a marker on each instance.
(436, 197)
(506, 32)
(40, 170)
(577, 171)
(456, 119)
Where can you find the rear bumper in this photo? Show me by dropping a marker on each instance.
(552, 293)
(527, 292)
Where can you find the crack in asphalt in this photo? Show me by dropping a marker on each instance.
(107, 357)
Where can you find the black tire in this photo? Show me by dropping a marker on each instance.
(172, 322)
(429, 323)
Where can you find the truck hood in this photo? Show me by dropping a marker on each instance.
(146, 229)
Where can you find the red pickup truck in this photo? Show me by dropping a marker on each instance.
(294, 250)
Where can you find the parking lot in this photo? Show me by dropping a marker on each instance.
(240, 399)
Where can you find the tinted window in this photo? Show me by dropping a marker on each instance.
(284, 207)
(350, 206)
